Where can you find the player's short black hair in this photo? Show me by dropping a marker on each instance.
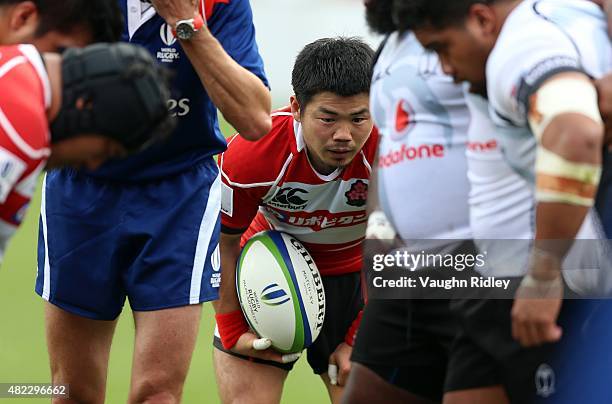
(379, 16)
(337, 65)
(415, 14)
(103, 18)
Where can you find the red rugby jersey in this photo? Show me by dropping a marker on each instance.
(270, 184)
(24, 133)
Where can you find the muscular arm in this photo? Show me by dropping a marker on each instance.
(240, 95)
(576, 138)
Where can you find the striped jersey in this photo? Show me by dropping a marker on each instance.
(24, 133)
(271, 184)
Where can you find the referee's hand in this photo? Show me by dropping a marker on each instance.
(250, 345)
(535, 312)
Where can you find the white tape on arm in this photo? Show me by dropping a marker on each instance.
(561, 96)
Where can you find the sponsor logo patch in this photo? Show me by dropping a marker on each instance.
(290, 198)
(358, 194)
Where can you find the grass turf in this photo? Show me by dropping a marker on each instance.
(23, 354)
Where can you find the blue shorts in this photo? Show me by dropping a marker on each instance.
(156, 242)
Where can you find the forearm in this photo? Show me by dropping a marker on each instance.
(228, 298)
(241, 96)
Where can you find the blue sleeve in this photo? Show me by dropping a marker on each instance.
(232, 25)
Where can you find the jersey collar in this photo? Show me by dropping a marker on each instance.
(136, 18)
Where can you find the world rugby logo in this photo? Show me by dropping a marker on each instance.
(274, 295)
(166, 35)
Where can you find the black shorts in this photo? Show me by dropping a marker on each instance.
(410, 343)
(429, 347)
(343, 301)
(544, 374)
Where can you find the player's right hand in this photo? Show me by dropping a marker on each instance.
(535, 311)
(250, 345)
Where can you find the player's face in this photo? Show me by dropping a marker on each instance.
(335, 128)
(19, 22)
(55, 41)
(86, 151)
(463, 52)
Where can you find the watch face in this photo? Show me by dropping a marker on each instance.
(184, 31)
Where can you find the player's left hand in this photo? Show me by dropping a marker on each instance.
(340, 364)
(174, 10)
(535, 311)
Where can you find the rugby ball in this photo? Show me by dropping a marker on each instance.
(280, 291)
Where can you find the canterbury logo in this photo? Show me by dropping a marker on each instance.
(274, 295)
(291, 197)
(166, 35)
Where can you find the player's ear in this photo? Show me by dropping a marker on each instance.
(485, 19)
(23, 20)
(295, 108)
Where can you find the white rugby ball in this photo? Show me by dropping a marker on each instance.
(280, 291)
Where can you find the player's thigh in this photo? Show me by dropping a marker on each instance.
(242, 381)
(335, 392)
(367, 387)
(165, 340)
(78, 352)
(484, 395)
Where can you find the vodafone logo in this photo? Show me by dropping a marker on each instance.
(403, 120)
(410, 153)
(166, 35)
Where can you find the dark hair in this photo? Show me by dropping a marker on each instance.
(338, 65)
(103, 18)
(379, 16)
(414, 14)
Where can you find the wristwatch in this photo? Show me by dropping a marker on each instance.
(185, 29)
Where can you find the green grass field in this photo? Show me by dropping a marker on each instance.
(23, 354)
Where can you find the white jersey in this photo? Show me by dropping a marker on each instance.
(539, 39)
(500, 201)
(422, 119)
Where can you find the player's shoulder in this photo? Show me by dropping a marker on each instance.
(371, 146)
(263, 159)
(23, 101)
(529, 48)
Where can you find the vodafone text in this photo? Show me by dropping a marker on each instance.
(411, 153)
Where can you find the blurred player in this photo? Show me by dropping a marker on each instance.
(539, 60)
(147, 227)
(604, 197)
(53, 25)
(36, 91)
(313, 186)
(403, 347)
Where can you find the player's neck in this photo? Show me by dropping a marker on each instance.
(504, 9)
